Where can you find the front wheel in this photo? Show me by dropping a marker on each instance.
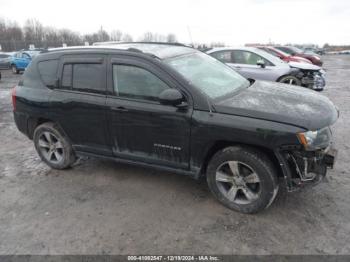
(290, 80)
(53, 147)
(242, 179)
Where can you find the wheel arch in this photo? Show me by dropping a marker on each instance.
(34, 122)
(221, 144)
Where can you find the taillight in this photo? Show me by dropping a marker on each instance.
(14, 98)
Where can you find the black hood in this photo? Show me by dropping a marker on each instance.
(282, 103)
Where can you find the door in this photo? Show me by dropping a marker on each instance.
(22, 60)
(26, 59)
(18, 61)
(79, 104)
(246, 63)
(142, 129)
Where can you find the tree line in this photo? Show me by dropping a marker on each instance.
(14, 37)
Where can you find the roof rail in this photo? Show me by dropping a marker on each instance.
(131, 49)
(142, 42)
(74, 48)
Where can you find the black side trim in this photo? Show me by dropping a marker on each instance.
(142, 164)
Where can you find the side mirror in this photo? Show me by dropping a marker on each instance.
(171, 97)
(261, 63)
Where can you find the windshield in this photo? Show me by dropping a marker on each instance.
(277, 53)
(209, 75)
(296, 50)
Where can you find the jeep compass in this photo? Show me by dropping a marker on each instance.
(173, 107)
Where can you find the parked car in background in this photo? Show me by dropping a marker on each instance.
(284, 56)
(173, 107)
(312, 50)
(5, 61)
(19, 61)
(294, 51)
(34, 52)
(257, 64)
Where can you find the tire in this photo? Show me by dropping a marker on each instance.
(14, 69)
(290, 80)
(253, 189)
(53, 147)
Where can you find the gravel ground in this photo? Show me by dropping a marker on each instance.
(101, 207)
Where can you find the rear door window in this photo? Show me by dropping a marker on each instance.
(87, 77)
(83, 77)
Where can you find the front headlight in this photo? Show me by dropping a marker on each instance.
(313, 140)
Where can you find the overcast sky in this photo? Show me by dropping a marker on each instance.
(230, 21)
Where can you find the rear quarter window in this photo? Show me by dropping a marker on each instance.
(48, 71)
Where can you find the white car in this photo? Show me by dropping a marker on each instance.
(254, 63)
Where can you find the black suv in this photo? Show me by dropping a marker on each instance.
(176, 108)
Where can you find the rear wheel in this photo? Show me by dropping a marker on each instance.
(14, 69)
(242, 179)
(53, 147)
(290, 80)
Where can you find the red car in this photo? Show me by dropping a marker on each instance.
(294, 51)
(284, 56)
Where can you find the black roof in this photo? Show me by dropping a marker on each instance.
(159, 50)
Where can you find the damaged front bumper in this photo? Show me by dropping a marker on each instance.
(314, 80)
(305, 168)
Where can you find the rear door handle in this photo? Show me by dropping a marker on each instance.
(119, 108)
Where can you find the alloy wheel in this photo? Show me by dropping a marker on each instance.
(238, 182)
(51, 147)
(290, 81)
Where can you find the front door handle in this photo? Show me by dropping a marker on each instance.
(119, 108)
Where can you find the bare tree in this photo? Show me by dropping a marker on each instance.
(217, 44)
(69, 37)
(13, 37)
(171, 38)
(91, 38)
(33, 32)
(116, 35)
(127, 38)
(147, 37)
(153, 37)
(103, 35)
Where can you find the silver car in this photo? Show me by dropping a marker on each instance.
(257, 64)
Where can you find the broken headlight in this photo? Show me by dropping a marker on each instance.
(314, 140)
